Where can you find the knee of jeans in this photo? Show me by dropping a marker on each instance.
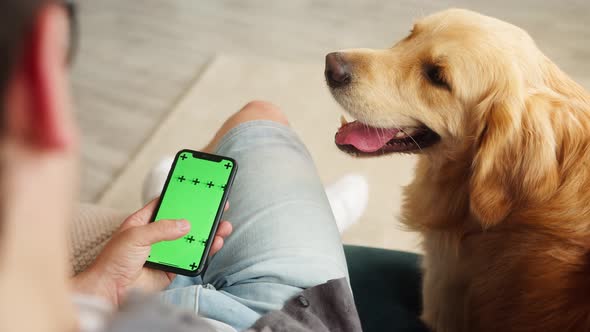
(261, 110)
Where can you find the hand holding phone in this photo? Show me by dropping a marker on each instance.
(196, 190)
(119, 267)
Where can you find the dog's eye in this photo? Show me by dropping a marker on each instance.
(435, 76)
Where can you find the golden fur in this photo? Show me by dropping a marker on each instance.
(503, 200)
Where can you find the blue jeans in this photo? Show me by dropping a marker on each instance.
(285, 238)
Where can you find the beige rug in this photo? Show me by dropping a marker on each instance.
(230, 82)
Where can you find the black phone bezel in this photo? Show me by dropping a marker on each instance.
(203, 262)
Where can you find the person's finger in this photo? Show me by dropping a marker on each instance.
(171, 276)
(226, 206)
(224, 230)
(216, 246)
(162, 230)
(140, 217)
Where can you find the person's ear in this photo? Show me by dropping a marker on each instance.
(38, 105)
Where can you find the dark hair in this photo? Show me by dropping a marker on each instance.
(17, 17)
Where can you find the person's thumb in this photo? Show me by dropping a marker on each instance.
(162, 230)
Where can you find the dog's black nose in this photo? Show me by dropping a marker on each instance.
(337, 71)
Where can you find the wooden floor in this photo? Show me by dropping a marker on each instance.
(137, 57)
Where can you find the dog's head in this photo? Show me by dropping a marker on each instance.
(461, 85)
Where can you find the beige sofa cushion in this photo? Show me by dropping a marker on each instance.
(91, 228)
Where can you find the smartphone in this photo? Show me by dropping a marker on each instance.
(196, 190)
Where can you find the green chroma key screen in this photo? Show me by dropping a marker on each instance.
(195, 191)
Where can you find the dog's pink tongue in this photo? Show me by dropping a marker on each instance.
(363, 137)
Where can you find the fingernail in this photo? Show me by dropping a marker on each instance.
(183, 225)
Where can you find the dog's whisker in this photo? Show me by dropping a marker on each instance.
(378, 91)
(410, 136)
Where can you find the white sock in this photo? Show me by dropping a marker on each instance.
(348, 196)
(155, 180)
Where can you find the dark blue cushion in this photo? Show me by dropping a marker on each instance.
(387, 289)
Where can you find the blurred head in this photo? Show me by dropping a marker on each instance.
(38, 159)
(34, 46)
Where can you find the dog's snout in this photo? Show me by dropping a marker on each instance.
(337, 71)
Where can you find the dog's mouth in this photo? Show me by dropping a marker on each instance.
(359, 139)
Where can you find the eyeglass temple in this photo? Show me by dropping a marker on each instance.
(70, 6)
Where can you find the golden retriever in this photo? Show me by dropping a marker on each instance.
(502, 187)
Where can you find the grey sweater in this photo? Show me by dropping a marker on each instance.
(325, 308)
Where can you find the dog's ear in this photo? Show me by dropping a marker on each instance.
(490, 196)
(515, 158)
